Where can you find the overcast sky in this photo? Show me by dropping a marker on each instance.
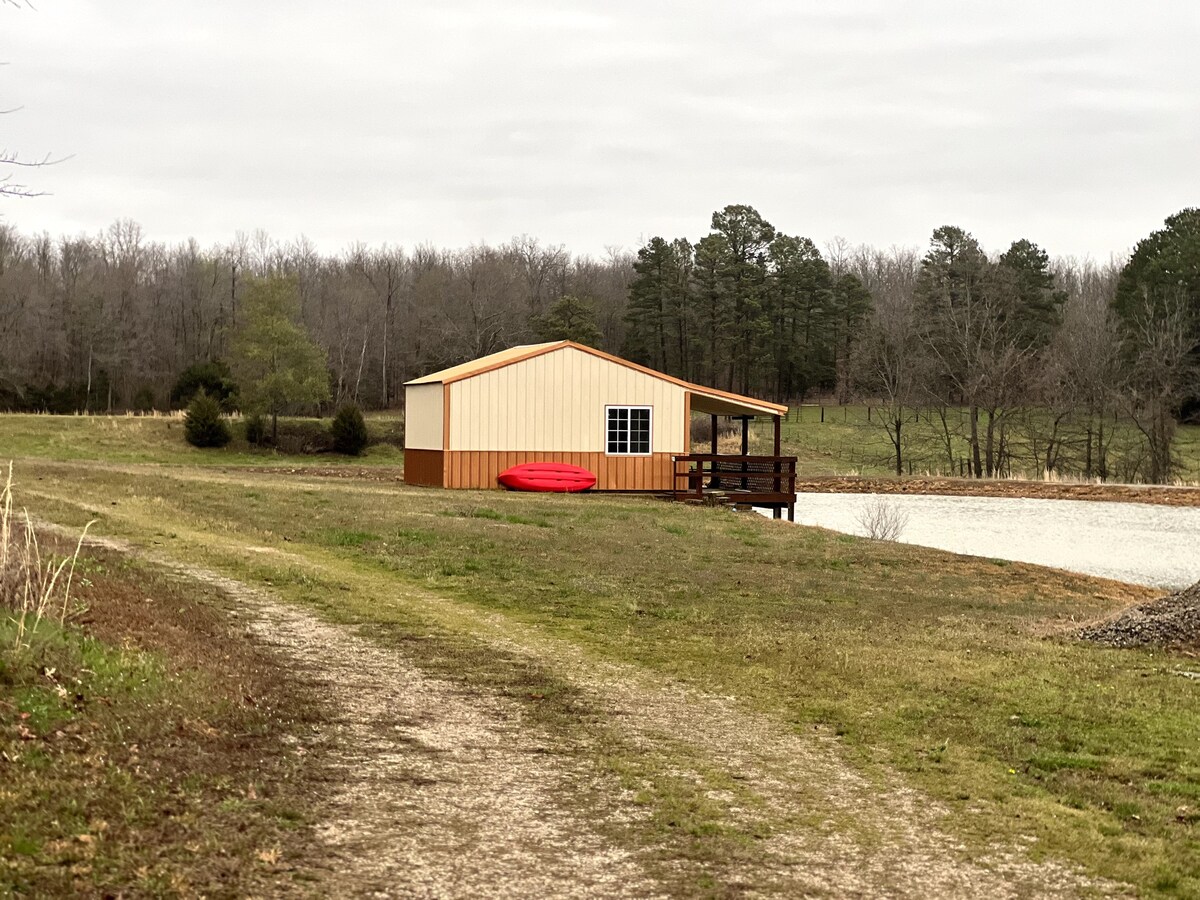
(596, 124)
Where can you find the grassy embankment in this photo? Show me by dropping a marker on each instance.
(847, 443)
(159, 439)
(945, 668)
(136, 761)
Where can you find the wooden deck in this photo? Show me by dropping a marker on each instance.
(766, 481)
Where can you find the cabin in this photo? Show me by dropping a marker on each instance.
(564, 402)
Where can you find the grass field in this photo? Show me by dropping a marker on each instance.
(847, 443)
(950, 671)
(844, 443)
(159, 439)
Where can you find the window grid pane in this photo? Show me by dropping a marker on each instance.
(627, 430)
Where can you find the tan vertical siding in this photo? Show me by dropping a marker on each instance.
(554, 403)
(423, 417)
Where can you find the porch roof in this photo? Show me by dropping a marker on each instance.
(719, 403)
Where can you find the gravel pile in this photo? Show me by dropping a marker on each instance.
(1171, 621)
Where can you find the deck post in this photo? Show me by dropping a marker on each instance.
(715, 481)
(792, 489)
(745, 449)
(778, 469)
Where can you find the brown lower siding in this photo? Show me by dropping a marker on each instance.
(424, 467)
(479, 468)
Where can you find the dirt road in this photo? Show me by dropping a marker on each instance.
(443, 788)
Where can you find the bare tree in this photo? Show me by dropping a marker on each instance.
(1161, 340)
(384, 269)
(882, 519)
(481, 308)
(891, 369)
(838, 253)
(1077, 379)
(543, 269)
(974, 331)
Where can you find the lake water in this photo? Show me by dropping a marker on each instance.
(1133, 542)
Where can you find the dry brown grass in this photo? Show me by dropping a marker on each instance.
(32, 585)
(145, 748)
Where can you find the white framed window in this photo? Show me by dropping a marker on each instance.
(627, 430)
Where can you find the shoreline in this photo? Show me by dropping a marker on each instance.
(1160, 495)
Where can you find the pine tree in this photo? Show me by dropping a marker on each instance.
(799, 308)
(1037, 305)
(852, 305)
(744, 280)
(657, 315)
(569, 319)
(714, 313)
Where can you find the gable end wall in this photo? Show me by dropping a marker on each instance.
(423, 416)
(554, 403)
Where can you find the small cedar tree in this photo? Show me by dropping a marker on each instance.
(203, 424)
(256, 430)
(349, 431)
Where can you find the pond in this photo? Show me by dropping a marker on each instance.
(1132, 542)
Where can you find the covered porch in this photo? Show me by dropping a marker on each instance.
(739, 479)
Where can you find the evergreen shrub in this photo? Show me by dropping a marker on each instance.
(203, 424)
(349, 431)
(256, 430)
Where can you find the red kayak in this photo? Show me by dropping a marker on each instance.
(556, 477)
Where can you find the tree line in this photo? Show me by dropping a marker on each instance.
(108, 322)
(1015, 362)
(1046, 357)
(1064, 367)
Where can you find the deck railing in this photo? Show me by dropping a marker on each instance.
(757, 480)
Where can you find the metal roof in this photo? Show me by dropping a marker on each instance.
(485, 363)
(704, 399)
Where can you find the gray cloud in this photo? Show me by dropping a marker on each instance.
(1073, 124)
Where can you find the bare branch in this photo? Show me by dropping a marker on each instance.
(8, 188)
(8, 158)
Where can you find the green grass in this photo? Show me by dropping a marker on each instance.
(847, 443)
(932, 664)
(159, 439)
